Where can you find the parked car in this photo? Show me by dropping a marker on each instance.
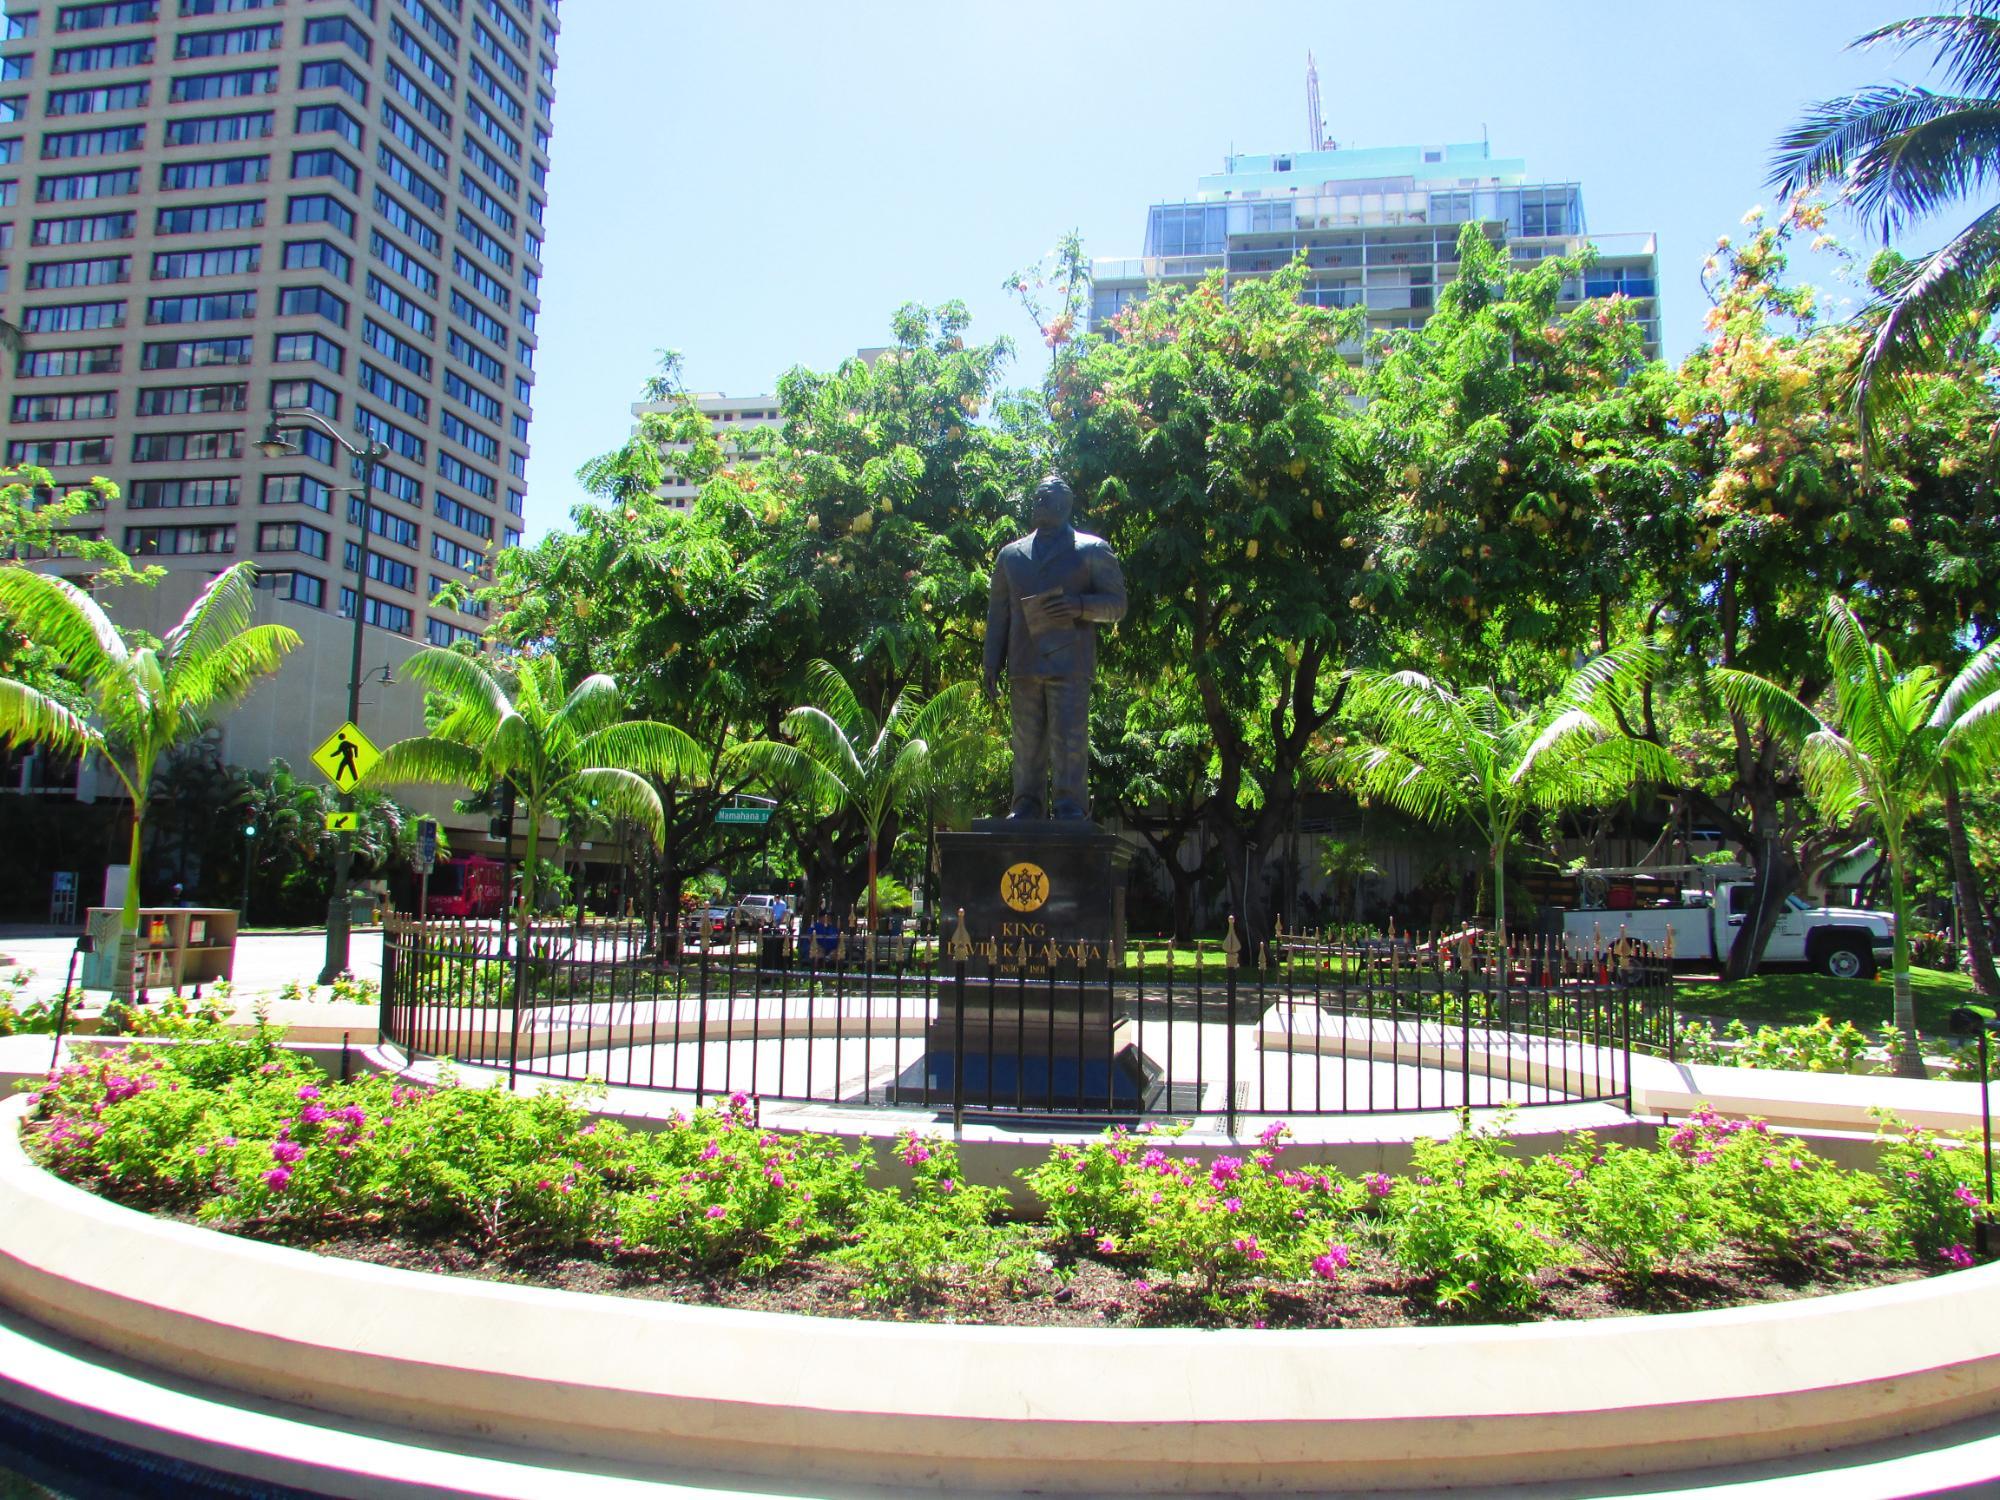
(760, 912)
(711, 922)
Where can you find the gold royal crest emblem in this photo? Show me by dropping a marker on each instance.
(1024, 887)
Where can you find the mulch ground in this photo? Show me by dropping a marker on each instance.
(1087, 1291)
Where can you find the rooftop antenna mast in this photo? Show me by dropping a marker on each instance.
(1315, 122)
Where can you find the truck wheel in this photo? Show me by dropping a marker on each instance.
(1848, 960)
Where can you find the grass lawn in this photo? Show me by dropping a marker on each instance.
(1797, 999)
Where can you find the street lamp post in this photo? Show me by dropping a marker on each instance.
(249, 852)
(274, 444)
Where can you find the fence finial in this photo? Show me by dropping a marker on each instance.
(1232, 946)
(961, 941)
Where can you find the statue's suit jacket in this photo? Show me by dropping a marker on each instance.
(1072, 562)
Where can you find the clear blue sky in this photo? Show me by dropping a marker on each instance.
(760, 185)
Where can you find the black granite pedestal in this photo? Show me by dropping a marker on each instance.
(1044, 910)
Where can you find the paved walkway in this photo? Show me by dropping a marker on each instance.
(265, 962)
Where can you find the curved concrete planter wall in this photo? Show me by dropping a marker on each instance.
(812, 1401)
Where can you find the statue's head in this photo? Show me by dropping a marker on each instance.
(1053, 503)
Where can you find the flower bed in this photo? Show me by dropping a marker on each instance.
(241, 1135)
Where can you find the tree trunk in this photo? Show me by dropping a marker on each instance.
(874, 909)
(1971, 901)
(1909, 1054)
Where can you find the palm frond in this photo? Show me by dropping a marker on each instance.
(217, 675)
(822, 736)
(1968, 43)
(951, 713)
(834, 694)
(1386, 774)
(30, 717)
(219, 614)
(1757, 697)
(516, 745)
(66, 622)
(473, 691)
(1836, 776)
(1568, 732)
(427, 760)
(1933, 307)
(1624, 668)
(1973, 741)
(647, 747)
(1977, 678)
(788, 768)
(592, 704)
(1863, 678)
(616, 793)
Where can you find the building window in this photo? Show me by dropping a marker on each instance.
(182, 494)
(309, 348)
(380, 612)
(291, 536)
(297, 489)
(318, 255)
(318, 208)
(165, 541)
(300, 588)
(186, 400)
(312, 301)
(185, 447)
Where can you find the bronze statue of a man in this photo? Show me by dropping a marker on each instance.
(1051, 590)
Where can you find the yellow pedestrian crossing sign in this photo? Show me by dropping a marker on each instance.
(343, 822)
(346, 756)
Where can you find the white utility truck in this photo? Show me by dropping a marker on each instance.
(1705, 906)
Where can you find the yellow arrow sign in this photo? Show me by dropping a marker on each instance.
(343, 822)
(345, 757)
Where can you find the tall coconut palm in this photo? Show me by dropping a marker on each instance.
(1445, 755)
(1893, 737)
(844, 758)
(144, 698)
(557, 746)
(1900, 153)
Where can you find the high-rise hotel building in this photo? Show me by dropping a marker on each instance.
(1379, 228)
(211, 210)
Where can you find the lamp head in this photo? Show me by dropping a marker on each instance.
(274, 443)
(1970, 1020)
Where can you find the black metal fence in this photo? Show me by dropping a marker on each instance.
(1303, 1026)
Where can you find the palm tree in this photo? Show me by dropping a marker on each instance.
(558, 748)
(1893, 738)
(1901, 153)
(144, 698)
(846, 760)
(1443, 755)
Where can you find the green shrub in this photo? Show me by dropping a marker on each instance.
(1927, 1194)
(1468, 1220)
(910, 1243)
(1822, 1047)
(1636, 1210)
(1772, 1195)
(1227, 1226)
